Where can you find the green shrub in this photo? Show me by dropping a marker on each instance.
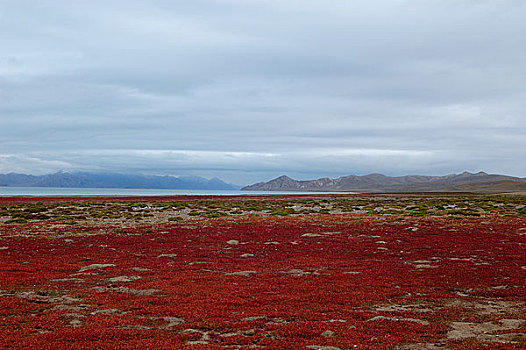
(16, 221)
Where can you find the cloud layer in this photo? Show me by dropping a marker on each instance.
(247, 90)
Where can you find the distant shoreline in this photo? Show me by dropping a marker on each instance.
(8, 191)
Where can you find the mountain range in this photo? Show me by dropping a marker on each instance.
(464, 182)
(113, 180)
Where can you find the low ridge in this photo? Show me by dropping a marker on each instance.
(113, 180)
(466, 181)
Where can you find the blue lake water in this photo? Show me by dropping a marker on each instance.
(123, 192)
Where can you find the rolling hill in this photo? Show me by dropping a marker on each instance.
(464, 182)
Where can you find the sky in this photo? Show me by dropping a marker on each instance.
(248, 90)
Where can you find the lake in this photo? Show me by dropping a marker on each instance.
(125, 192)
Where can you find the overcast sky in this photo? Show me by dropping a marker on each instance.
(247, 90)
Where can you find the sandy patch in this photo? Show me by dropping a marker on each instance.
(486, 331)
(95, 267)
(240, 273)
(124, 279)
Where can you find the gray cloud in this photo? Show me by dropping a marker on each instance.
(248, 90)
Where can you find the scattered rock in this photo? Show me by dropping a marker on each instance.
(321, 234)
(311, 235)
(240, 273)
(124, 279)
(75, 323)
(95, 267)
(248, 332)
(85, 274)
(65, 307)
(73, 279)
(109, 312)
(247, 255)
(253, 318)
(396, 319)
(204, 336)
(76, 320)
(328, 334)
(425, 266)
(498, 287)
(127, 290)
(167, 256)
(140, 269)
(134, 326)
(297, 272)
(233, 242)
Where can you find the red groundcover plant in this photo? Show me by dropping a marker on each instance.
(350, 281)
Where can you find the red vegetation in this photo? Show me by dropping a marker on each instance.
(342, 281)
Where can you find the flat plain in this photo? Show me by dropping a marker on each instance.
(382, 271)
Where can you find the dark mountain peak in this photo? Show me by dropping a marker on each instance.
(275, 184)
